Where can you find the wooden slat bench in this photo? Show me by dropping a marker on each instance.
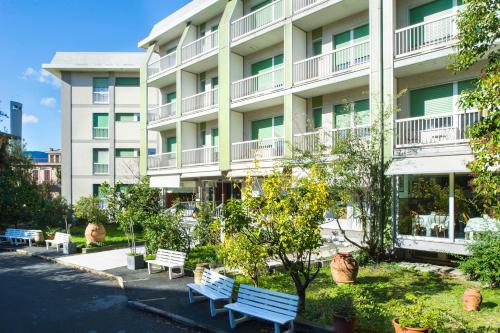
(59, 239)
(278, 308)
(214, 287)
(169, 259)
(17, 236)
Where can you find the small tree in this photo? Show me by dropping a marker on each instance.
(207, 230)
(165, 230)
(89, 210)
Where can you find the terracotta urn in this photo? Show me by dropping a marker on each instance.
(198, 271)
(341, 325)
(95, 233)
(472, 299)
(399, 329)
(344, 268)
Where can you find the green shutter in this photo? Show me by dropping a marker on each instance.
(171, 97)
(215, 82)
(260, 5)
(362, 112)
(317, 33)
(341, 40)
(203, 134)
(125, 152)
(100, 83)
(100, 120)
(122, 188)
(342, 116)
(432, 100)
(170, 50)
(98, 190)
(361, 33)
(100, 156)
(317, 47)
(126, 117)
(318, 117)
(171, 145)
(317, 101)
(278, 60)
(215, 137)
(466, 85)
(420, 13)
(262, 66)
(262, 129)
(127, 82)
(202, 29)
(278, 127)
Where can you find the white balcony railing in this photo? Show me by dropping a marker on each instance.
(300, 5)
(449, 128)
(252, 85)
(201, 101)
(426, 34)
(101, 168)
(200, 46)
(162, 112)
(100, 132)
(325, 65)
(200, 156)
(164, 63)
(264, 149)
(324, 140)
(258, 19)
(100, 97)
(162, 161)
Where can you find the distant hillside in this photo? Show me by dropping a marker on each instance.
(38, 156)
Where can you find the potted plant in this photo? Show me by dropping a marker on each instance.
(344, 312)
(415, 316)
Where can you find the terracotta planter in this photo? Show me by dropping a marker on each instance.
(344, 268)
(341, 325)
(198, 271)
(95, 233)
(472, 299)
(399, 329)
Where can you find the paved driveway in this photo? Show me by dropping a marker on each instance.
(38, 296)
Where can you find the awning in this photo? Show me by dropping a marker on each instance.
(429, 165)
(172, 181)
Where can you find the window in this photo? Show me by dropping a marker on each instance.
(46, 175)
(429, 10)
(431, 100)
(151, 151)
(343, 60)
(317, 107)
(127, 82)
(317, 41)
(100, 122)
(170, 97)
(101, 160)
(98, 191)
(352, 114)
(202, 82)
(215, 137)
(35, 175)
(260, 5)
(202, 139)
(171, 145)
(267, 65)
(127, 117)
(122, 188)
(215, 82)
(126, 152)
(201, 30)
(100, 90)
(267, 128)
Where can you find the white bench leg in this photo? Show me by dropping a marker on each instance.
(170, 273)
(149, 268)
(47, 245)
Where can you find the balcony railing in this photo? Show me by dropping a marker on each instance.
(201, 101)
(252, 85)
(324, 140)
(166, 62)
(100, 132)
(101, 168)
(258, 19)
(426, 34)
(300, 5)
(325, 65)
(162, 161)
(200, 156)
(200, 46)
(100, 97)
(264, 149)
(162, 112)
(449, 128)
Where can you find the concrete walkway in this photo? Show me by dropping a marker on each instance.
(100, 261)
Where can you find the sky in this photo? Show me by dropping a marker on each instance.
(31, 31)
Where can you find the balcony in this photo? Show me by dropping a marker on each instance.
(444, 129)
(162, 161)
(162, 112)
(425, 35)
(200, 102)
(331, 63)
(301, 5)
(263, 149)
(100, 132)
(100, 97)
(200, 46)
(200, 156)
(257, 20)
(163, 64)
(256, 84)
(324, 140)
(101, 168)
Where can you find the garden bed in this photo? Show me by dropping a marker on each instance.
(113, 235)
(382, 288)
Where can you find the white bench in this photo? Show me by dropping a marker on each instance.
(59, 239)
(278, 308)
(214, 287)
(170, 259)
(17, 236)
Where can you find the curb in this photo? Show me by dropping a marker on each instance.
(174, 317)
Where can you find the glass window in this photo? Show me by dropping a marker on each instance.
(127, 117)
(151, 151)
(431, 100)
(100, 120)
(318, 117)
(100, 89)
(98, 191)
(126, 152)
(127, 82)
(171, 145)
(317, 46)
(46, 175)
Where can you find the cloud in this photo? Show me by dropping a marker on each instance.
(41, 76)
(29, 119)
(48, 101)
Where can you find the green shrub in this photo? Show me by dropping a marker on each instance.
(165, 231)
(208, 253)
(207, 229)
(88, 209)
(484, 262)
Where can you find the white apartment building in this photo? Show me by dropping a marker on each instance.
(100, 113)
(240, 80)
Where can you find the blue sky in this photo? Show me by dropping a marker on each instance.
(31, 31)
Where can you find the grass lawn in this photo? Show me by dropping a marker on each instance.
(380, 288)
(113, 235)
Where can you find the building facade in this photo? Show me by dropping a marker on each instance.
(240, 80)
(100, 98)
(48, 171)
